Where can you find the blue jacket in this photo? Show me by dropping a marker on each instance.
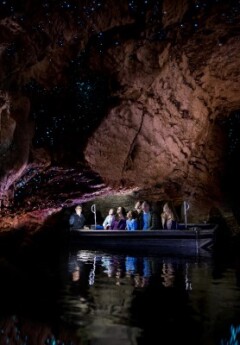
(153, 221)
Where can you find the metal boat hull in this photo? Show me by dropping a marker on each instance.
(192, 240)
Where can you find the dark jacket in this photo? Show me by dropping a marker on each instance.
(118, 224)
(76, 221)
(153, 221)
(174, 225)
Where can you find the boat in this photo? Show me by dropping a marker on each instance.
(193, 239)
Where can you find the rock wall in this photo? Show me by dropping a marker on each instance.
(165, 132)
(172, 72)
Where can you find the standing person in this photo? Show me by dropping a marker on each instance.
(77, 220)
(132, 223)
(119, 222)
(138, 209)
(156, 219)
(169, 216)
(109, 219)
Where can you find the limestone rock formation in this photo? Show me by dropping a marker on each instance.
(139, 92)
(165, 132)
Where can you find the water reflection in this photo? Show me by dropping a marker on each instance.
(132, 270)
(144, 295)
(94, 298)
(94, 275)
(234, 338)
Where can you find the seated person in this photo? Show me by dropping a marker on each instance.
(109, 219)
(169, 217)
(119, 223)
(147, 217)
(132, 223)
(77, 220)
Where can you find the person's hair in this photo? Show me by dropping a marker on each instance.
(78, 206)
(134, 214)
(147, 203)
(123, 211)
(171, 207)
(138, 202)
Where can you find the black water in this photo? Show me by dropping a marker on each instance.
(50, 296)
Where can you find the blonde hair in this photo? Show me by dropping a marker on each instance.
(168, 212)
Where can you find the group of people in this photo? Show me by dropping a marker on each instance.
(141, 217)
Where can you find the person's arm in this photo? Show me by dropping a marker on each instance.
(135, 224)
(122, 224)
(155, 221)
(151, 222)
(112, 224)
(83, 220)
(106, 222)
(71, 220)
(140, 221)
(163, 219)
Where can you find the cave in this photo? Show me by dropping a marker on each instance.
(109, 102)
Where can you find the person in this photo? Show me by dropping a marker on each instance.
(138, 209)
(132, 223)
(156, 219)
(169, 216)
(119, 223)
(109, 219)
(147, 217)
(77, 220)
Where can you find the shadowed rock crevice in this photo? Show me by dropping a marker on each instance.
(129, 161)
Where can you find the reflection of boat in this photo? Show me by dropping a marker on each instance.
(138, 269)
(189, 241)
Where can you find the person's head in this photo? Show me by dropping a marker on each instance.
(138, 206)
(145, 206)
(134, 214)
(78, 209)
(129, 214)
(111, 211)
(169, 209)
(166, 208)
(121, 212)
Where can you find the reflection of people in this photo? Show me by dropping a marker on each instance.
(167, 275)
(131, 264)
(169, 216)
(76, 275)
(119, 222)
(74, 268)
(147, 272)
(108, 265)
(77, 220)
(109, 219)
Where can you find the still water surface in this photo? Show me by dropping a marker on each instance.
(95, 298)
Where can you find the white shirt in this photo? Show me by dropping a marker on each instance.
(108, 220)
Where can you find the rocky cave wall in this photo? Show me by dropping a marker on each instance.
(172, 72)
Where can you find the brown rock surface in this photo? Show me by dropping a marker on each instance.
(165, 134)
(172, 70)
